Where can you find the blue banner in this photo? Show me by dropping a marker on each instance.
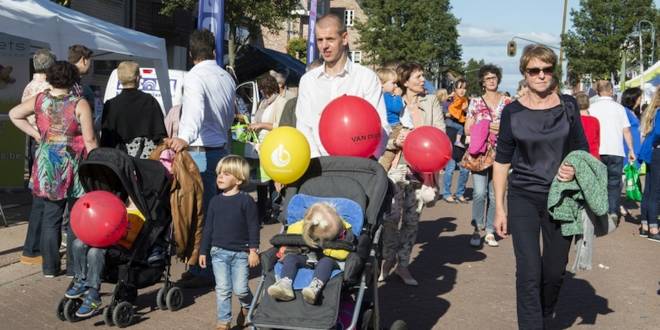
(212, 17)
(311, 34)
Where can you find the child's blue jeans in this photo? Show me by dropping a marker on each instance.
(230, 269)
(322, 270)
(454, 124)
(88, 263)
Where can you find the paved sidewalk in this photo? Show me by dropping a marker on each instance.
(460, 287)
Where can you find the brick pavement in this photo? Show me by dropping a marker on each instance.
(460, 287)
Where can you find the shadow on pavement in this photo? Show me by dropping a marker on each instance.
(432, 271)
(578, 300)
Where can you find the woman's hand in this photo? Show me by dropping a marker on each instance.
(566, 173)
(500, 223)
(202, 261)
(255, 126)
(253, 258)
(401, 137)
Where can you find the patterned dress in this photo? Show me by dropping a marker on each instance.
(55, 170)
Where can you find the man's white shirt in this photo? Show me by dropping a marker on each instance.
(613, 119)
(317, 89)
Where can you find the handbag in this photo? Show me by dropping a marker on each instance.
(479, 162)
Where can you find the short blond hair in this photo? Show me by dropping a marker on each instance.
(442, 94)
(127, 72)
(540, 52)
(236, 166)
(386, 74)
(321, 224)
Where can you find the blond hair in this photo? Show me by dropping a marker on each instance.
(320, 224)
(648, 118)
(386, 74)
(604, 87)
(540, 52)
(442, 95)
(127, 73)
(236, 166)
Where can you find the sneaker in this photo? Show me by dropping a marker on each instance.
(459, 144)
(385, 270)
(49, 276)
(223, 325)
(38, 260)
(282, 290)
(405, 275)
(475, 239)
(449, 199)
(157, 256)
(490, 240)
(242, 316)
(311, 292)
(643, 232)
(654, 237)
(76, 291)
(462, 199)
(90, 305)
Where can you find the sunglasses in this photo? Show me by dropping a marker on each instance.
(536, 71)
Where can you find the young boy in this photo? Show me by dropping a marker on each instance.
(231, 239)
(394, 106)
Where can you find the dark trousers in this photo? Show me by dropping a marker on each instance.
(31, 247)
(322, 270)
(266, 196)
(538, 276)
(614, 172)
(51, 235)
(652, 190)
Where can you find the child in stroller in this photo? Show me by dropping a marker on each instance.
(321, 224)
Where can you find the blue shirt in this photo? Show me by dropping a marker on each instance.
(231, 223)
(646, 150)
(634, 131)
(393, 106)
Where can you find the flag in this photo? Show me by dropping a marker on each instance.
(212, 17)
(311, 35)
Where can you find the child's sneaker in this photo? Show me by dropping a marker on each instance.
(311, 292)
(282, 289)
(90, 305)
(76, 291)
(459, 144)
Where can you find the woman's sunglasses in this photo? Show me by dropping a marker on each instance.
(536, 71)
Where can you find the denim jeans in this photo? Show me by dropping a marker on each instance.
(652, 190)
(51, 235)
(463, 175)
(31, 247)
(614, 172)
(483, 184)
(88, 263)
(322, 270)
(206, 162)
(231, 274)
(450, 122)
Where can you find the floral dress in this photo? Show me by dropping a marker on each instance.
(55, 170)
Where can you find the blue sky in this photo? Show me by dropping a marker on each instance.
(487, 25)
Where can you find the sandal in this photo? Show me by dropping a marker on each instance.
(462, 200)
(450, 199)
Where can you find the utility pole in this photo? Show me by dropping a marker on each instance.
(561, 46)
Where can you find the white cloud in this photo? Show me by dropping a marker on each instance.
(477, 36)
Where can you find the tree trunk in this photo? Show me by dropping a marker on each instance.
(231, 49)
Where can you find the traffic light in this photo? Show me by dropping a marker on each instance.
(511, 48)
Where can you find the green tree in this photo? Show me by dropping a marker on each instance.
(600, 28)
(297, 47)
(471, 76)
(250, 18)
(423, 31)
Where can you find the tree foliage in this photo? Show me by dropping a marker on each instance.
(471, 76)
(423, 31)
(600, 28)
(297, 47)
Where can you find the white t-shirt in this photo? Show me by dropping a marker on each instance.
(613, 119)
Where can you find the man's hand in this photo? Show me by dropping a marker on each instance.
(202, 261)
(500, 223)
(176, 144)
(566, 173)
(253, 258)
(631, 156)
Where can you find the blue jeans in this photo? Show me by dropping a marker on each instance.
(206, 162)
(614, 172)
(231, 274)
(88, 263)
(483, 184)
(51, 235)
(33, 236)
(463, 175)
(450, 122)
(652, 190)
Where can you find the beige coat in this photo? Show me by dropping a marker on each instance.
(432, 109)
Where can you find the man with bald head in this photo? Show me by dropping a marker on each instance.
(336, 77)
(614, 127)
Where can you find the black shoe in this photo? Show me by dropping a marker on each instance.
(643, 232)
(654, 237)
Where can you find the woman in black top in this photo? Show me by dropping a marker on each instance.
(536, 132)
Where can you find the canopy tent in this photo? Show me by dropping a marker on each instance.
(651, 75)
(60, 27)
(253, 61)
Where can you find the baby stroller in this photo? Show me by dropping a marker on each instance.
(146, 183)
(359, 189)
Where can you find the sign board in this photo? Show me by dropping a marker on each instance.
(149, 84)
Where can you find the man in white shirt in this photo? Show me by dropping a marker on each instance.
(614, 127)
(338, 76)
(206, 118)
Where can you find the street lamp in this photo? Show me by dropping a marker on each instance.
(639, 28)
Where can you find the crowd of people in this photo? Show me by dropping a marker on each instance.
(514, 149)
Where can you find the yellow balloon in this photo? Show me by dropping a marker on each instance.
(284, 154)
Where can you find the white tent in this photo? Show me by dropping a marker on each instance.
(60, 27)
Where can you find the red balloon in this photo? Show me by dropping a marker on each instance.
(427, 149)
(350, 126)
(99, 219)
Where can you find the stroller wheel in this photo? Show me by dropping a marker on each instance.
(367, 316)
(122, 315)
(174, 299)
(160, 298)
(107, 316)
(70, 308)
(399, 325)
(60, 309)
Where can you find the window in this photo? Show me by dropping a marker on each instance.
(356, 56)
(348, 17)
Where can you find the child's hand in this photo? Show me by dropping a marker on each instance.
(202, 261)
(253, 259)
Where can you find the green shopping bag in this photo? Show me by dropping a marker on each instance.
(633, 184)
(244, 142)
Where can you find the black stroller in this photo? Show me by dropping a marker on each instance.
(146, 183)
(359, 189)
